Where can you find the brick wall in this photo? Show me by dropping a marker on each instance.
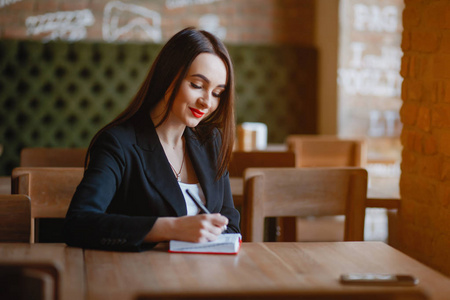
(236, 21)
(425, 113)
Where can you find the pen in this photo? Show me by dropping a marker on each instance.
(200, 205)
(198, 202)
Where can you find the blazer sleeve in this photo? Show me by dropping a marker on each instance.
(228, 210)
(87, 223)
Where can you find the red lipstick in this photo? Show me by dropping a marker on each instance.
(196, 112)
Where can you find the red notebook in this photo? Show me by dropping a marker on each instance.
(227, 243)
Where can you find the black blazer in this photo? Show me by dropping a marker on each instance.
(129, 184)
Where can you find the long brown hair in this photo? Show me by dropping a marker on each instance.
(171, 66)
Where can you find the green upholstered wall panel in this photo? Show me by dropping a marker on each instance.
(59, 94)
(276, 85)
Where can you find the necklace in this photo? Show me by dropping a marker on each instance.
(178, 174)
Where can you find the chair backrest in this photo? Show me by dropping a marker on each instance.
(303, 192)
(29, 280)
(15, 218)
(50, 190)
(327, 151)
(52, 157)
(241, 160)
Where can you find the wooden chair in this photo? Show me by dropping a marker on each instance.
(52, 157)
(50, 191)
(327, 151)
(29, 280)
(324, 151)
(304, 192)
(15, 218)
(45, 157)
(241, 160)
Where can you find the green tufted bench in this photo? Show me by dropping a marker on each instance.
(59, 94)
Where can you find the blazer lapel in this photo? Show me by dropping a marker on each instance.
(156, 166)
(205, 167)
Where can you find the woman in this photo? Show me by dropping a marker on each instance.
(176, 134)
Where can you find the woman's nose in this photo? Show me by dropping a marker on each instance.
(205, 101)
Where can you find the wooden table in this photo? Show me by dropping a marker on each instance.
(70, 261)
(382, 194)
(262, 267)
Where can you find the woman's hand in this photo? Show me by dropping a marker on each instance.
(198, 228)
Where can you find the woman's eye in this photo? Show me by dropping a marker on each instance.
(217, 95)
(195, 86)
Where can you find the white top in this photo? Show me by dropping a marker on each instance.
(195, 189)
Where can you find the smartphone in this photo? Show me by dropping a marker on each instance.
(379, 279)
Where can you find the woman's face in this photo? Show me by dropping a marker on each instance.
(200, 90)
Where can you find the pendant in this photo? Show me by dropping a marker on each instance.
(178, 178)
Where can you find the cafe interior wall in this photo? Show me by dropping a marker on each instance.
(49, 49)
(425, 66)
(251, 21)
